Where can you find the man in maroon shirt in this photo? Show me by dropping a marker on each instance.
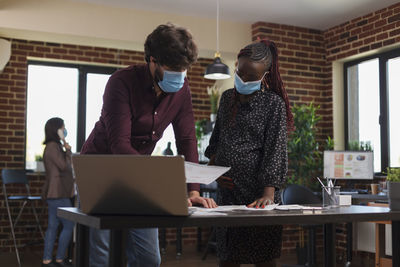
(139, 103)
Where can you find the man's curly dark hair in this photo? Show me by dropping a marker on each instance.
(171, 46)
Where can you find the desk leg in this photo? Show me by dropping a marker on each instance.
(349, 244)
(329, 245)
(178, 242)
(82, 246)
(395, 243)
(116, 251)
(163, 240)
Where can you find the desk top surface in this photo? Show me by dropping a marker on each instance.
(234, 218)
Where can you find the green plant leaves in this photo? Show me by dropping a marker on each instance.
(305, 156)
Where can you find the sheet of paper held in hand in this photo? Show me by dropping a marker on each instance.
(203, 174)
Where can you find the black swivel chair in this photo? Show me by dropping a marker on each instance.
(297, 194)
(9, 177)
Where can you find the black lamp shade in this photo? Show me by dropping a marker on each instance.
(217, 70)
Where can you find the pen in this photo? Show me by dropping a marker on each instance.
(323, 186)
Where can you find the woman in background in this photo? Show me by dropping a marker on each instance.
(250, 136)
(58, 190)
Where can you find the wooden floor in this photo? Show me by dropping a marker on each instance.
(189, 258)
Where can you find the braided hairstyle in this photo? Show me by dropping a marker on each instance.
(266, 51)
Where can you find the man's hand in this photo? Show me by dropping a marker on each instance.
(225, 182)
(196, 199)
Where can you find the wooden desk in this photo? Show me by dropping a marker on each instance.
(326, 217)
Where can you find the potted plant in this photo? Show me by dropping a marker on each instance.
(304, 150)
(39, 163)
(305, 157)
(359, 146)
(393, 184)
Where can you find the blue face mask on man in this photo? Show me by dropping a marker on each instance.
(172, 81)
(247, 88)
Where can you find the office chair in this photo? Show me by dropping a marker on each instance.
(297, 194)
(18, 177)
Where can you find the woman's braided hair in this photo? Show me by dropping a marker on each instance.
(266, 51)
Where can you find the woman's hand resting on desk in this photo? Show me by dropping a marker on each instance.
(261, 203)
(266, 199)
(196, 199)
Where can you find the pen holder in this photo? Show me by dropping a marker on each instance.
(330, 196)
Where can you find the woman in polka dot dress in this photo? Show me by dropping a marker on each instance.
(250, 136)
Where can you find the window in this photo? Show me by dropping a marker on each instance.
(372, 95)
(71, 92)
(75, 94)
(394, 110)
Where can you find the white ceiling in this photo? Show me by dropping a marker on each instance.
(315, 14)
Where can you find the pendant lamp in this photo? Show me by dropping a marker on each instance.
(217, 70)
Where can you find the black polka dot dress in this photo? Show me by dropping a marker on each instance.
(253, 142)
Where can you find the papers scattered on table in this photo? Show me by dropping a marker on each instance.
(203, 174)
(297, 207)
(221, 209)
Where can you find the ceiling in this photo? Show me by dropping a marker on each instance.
(314, 14)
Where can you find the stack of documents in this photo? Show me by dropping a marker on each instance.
(222, 210)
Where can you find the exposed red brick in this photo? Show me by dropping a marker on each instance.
(395, 32)
(381, 36)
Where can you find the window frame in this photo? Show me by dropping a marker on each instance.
(383, 59)
(83, 70)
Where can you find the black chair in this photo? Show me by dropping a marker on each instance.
(18, 177)
(297, 194)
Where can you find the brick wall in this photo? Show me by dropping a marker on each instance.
(302, 66)
(375, 30)
(12, 113)
(305, 62)
(306, 57)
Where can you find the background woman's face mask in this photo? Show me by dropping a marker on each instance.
(247, 88)
(172, 81)
(62, 133)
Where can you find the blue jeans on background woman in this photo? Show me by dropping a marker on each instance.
(51, 232)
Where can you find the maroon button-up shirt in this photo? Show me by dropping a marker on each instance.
(133, 119)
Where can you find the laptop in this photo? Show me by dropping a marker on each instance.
(131, 184)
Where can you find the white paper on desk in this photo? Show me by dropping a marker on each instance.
(227, 208)
(203, 174)
(204, 212)
(296, 207)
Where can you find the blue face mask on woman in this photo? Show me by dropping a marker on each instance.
(247, 88)
(172, 81)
